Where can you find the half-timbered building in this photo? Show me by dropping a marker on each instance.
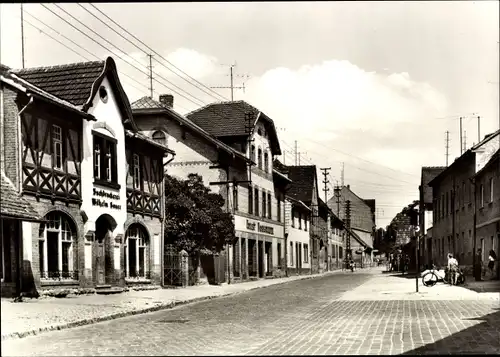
(73, 151)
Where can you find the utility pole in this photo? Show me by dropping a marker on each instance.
(22, 34)
(461, 136)
(337, 196)
(325, 181)
(150, 67)
(342, 175)
(295, 152)
(348, 253)
(232, 87)
(478, 128)
(465, 140)
(447, 146)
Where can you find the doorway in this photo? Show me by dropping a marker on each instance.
(103, 251)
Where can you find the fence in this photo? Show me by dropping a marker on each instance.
(172, 267)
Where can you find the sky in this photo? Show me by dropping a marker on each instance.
(368, 86)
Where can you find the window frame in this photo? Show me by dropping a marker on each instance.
(104, 142)
(57, 152)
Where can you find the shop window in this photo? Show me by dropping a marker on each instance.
(105, 163)
(136, 253)
(306, 253)
(57, 248)
(57, 157)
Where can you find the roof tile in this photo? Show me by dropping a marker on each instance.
(70, 82)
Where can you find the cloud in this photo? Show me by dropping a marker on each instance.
(195, 64)
(338, 94)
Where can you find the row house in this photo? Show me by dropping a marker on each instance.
(74, 152)
(425, 191)
(362, 220)
(231, 145)
(487, 181)
(458, 199)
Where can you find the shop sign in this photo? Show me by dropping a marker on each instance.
(101, 201)
(261, 228)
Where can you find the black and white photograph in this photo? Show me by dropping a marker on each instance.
(250, 178)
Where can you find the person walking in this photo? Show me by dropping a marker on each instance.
(491, 263)
(478, 265)
(452, 269)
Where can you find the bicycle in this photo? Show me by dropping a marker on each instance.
(432, 276)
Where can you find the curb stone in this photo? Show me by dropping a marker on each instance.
(166, 306)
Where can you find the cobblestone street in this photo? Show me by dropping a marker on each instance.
(316, 316)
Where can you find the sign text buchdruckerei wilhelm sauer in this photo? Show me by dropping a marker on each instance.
(260, 227)
(105, 203)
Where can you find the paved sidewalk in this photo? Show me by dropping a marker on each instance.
(37, 315)
(397, 287)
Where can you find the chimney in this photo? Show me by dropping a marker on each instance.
(167, 100)
(348, 187)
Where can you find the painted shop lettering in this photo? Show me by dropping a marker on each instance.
(260, 227)
(103, 203)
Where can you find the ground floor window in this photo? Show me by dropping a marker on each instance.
(279, 255)
(306, 253)
(56, 244)
(136, 252)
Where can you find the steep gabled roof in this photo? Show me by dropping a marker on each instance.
(70, 82)
(78, 83)
(12, 204)
(428, 174)
(228, 119)
(303, 178)
(495, 159)
(147, 105)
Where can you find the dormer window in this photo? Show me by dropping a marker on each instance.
(160, 137)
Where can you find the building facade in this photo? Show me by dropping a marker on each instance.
(76, 155)
(454, 194)
(487, 182)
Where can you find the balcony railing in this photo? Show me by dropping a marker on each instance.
(59, 275)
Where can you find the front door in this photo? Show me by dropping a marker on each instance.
(101, 262)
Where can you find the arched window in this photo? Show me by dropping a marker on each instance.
(57, 248)
(259, 158)
(160, 137)
(137, 253)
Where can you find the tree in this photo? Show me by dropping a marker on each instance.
(194, 217)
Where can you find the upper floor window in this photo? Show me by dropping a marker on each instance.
(250, 199)
(259, 158)
(278, 209)
(293, 217)
(264, 204)
(137, 171)
(300, 220)
(160, 137)
(266, 162)
(105, 163)
(269, 211)
(235, 197)
(305, 223)
(463, 193)
(256, 204)
(57, 147)
(481, 195)
(491, 189)
(252, 153)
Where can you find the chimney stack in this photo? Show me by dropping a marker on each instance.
(167, 100)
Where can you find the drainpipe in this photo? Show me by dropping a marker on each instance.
(162, 235)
